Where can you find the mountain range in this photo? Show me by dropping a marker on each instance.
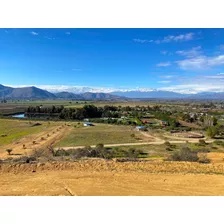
(37, 93)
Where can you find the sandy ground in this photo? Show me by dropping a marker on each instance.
(103, 178)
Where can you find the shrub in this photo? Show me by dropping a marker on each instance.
(61, 152)
(203, 158)
(166, 143)
(202, 142)
(218, 142)
(25, 159)
(99, 146)
(185, 154)
(169, 149)
(8, 151)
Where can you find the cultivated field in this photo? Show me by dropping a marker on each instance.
(101, 133)
(24, 136)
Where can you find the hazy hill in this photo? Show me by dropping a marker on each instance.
(150, 94)
(100, 96)
(68, 95)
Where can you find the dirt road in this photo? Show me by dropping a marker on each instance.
(139, 143)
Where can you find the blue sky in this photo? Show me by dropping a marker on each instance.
(182, 60)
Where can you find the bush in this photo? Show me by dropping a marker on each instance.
(100, 146)
(218, 142)
(8, 151)
(99, 152)
(202, 142)
(169, 149)
(25, 159)
(61, 152)
(185, 154)
(166, 143)
(204, 159)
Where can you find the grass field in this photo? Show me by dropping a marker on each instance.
(101, 133)
(12, 130)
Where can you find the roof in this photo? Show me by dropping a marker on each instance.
(140, 127)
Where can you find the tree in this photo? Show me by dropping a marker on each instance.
(9, 151)
(215, 121)
(212, 131)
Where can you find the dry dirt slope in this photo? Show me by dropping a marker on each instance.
(111, 178)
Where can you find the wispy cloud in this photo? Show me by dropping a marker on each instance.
(201, 62)
(218, 76)
(49, 38)
(168, 39)
(68, 33)
(163, 64)
(194, 88)
(178, 38)
(163, 52)
(34, 33)
(167, 76)
(221, 47)
(195, 51)
(164, 81)
(142, 41)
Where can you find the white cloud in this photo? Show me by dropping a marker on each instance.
(195, 51)
(164, 81)
(201, 62)
(142, 41)
(178, 38)
(34, 33)
(163, 64)
(194, 88)
(68, 33)
(167, 76)
(218, 76)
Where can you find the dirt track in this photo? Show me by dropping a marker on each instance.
(111, 178)
(140, 143)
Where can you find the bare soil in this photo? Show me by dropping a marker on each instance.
(98, 177)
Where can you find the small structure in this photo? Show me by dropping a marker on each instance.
(145, 121)
(164, 123)
(87, 124)
(141, 128)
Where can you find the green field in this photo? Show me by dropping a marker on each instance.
(12, 130)
(101, 133)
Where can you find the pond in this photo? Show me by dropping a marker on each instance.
(19, 115)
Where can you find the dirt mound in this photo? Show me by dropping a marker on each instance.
(103, 165)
